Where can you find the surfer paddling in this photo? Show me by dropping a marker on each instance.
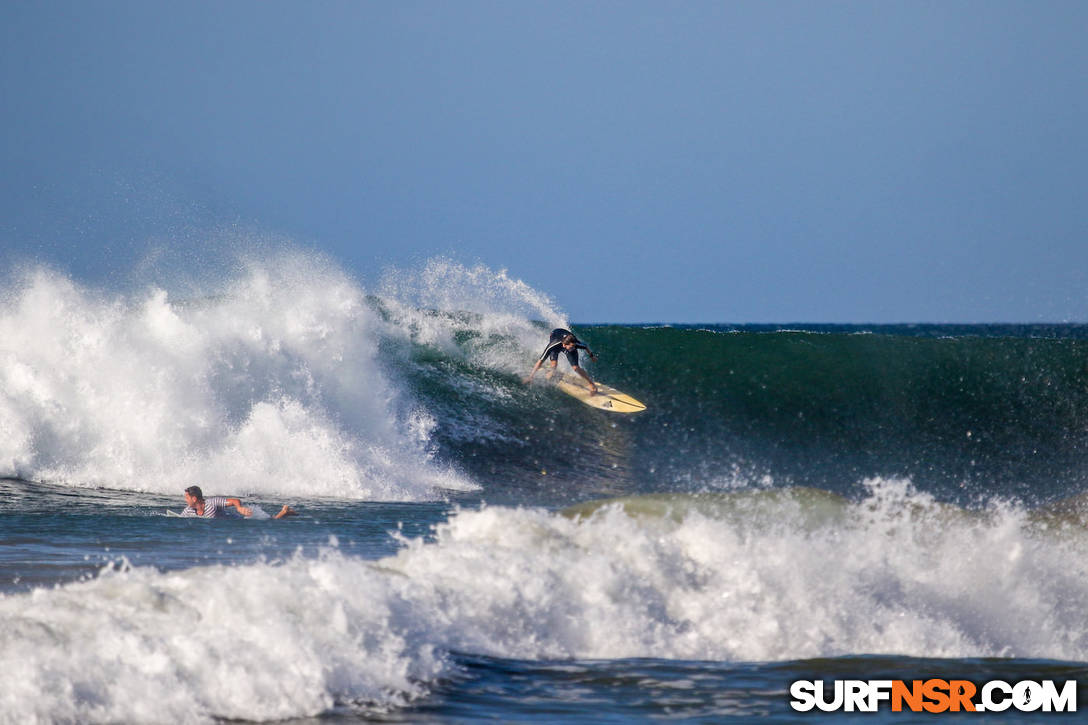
(215, 507)
(564, 341)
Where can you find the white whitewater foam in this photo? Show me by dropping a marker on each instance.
(268, 383)
(898, 574)
(430, 306)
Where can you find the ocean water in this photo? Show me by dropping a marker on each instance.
(798, 502)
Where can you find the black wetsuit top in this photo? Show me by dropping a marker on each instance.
(555, 346)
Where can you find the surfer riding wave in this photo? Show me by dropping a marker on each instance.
(564, 341)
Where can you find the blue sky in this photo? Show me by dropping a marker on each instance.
(637, 161)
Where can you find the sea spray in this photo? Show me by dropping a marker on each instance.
(476, 314)
(269, 383)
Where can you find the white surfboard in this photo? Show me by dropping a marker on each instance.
(606, 397)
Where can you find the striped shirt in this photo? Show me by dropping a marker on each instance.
(215, 507)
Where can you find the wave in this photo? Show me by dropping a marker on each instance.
(744, 576)
(290, 379)
(271, 382)
(962, 412)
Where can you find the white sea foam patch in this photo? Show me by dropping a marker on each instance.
(482, 314)
(896, 573)
(257, 642)
(269, 383)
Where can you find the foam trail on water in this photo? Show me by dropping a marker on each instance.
(268, 383)
(760, 579)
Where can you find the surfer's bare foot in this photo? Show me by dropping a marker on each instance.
(285, 511)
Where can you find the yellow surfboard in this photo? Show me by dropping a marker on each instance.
(607, 397)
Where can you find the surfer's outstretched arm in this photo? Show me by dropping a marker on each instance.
(247, 511)
(552, 347)
(535, 368)
(578, 368)
(584, 374)
(237, 503)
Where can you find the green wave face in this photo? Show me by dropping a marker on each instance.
(963, 412)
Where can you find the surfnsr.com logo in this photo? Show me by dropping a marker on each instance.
(933, 695)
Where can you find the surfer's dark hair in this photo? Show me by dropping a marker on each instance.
(195, 491)
(570, 338)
